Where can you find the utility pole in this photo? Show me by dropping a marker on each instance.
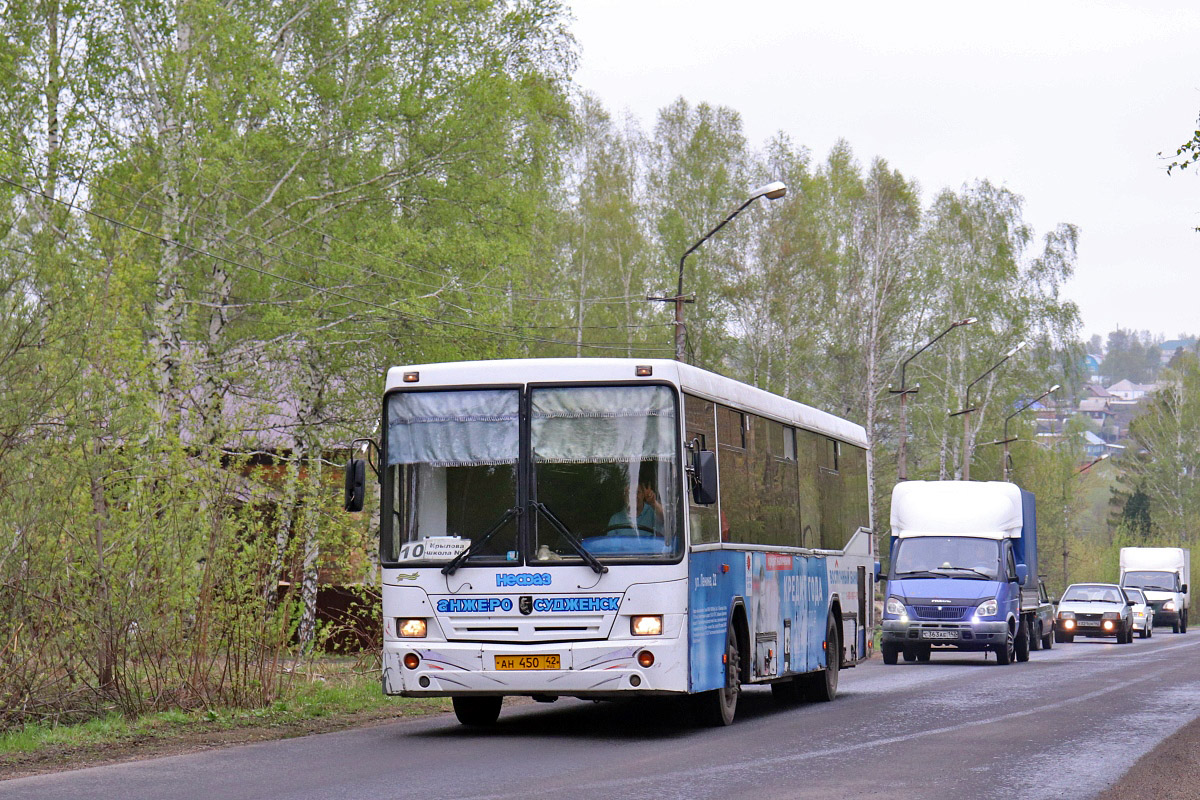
(771, 191)
(904, 391)
(967, 409)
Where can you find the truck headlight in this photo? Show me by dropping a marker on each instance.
(987, 608)
(646, 625)
(894, 606)
(1169, 605)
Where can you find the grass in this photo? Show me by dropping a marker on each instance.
(331, 691)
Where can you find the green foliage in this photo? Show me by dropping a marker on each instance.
(1132, 356)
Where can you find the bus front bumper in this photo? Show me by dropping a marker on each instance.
(594, 668)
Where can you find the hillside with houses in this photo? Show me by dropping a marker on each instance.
(1109, 401)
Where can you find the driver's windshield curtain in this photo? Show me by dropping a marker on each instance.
(454, 429)
(603, 424)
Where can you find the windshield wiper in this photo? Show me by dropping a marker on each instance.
(592, 561)
(481, 541)
(983, 575)
(925, 572)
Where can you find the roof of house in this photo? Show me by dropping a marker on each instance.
(1094, 404)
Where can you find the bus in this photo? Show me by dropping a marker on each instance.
(615, 528)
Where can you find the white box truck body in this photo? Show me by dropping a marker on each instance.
(1162, 574)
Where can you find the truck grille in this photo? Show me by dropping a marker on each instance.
(940, 612)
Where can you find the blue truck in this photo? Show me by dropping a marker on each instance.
(963, 572)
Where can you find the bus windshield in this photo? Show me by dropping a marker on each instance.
(604, 476)
(604, 465)
(451, 479)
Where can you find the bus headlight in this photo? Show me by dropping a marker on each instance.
(646, 625)
(411, 628)
(1169, 605)
(894, 606)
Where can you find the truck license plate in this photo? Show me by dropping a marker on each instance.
(939, 634)
(546, 661)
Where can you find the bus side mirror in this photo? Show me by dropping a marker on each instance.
(704, 477)
(1183, 589)
(356, 484)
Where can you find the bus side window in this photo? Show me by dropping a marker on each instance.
(700, 422)
(807, 462)
(842, 492)
(734, 478)
(777, 503)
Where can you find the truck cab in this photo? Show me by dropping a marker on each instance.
(959, 561)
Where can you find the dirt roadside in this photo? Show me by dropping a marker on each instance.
(196, 737)
(1170, 771)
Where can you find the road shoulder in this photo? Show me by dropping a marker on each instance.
(1170, 771)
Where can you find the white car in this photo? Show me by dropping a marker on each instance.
(1094, 609)
(1143, 613)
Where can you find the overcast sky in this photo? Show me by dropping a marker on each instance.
(1066, 103)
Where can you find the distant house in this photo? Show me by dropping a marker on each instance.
(1168, 348)
(1094, 446)
(1129, 391)
(1096, 408)
(1096, 390)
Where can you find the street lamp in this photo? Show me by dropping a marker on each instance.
(966, 411)
(1066, 551)
(904, 391)
(1004, 459)
(1091, 464)
(772, 191)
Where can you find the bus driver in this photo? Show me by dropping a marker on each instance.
(649, 517)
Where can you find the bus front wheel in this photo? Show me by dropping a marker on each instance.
(477, 712)
(721, 704)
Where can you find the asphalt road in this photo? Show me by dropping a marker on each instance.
(1066, 724)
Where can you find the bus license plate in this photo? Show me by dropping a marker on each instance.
(939, 634)
(543, 661)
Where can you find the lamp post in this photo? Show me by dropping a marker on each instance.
(904, 391)
(1091, 464)
(772, 191)
(1066, 551)
(966, 411)
(1004, 463)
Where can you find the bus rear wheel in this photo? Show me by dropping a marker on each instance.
(477, 712)
(822, 686)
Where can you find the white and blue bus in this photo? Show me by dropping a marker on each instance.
(606, 528)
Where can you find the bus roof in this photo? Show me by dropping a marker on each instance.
(693, 380)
